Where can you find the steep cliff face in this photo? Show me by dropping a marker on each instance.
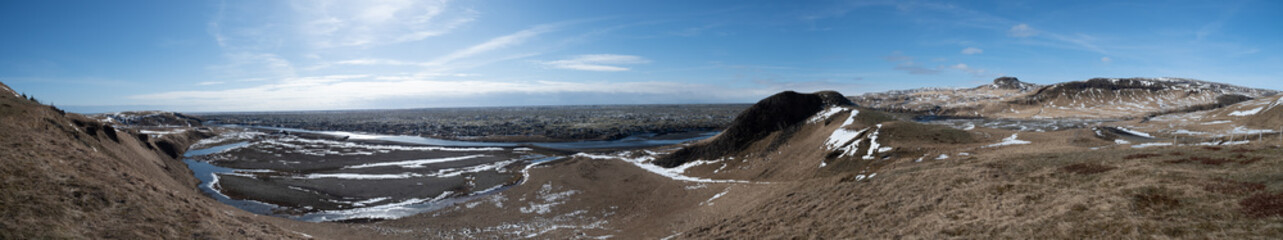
(63, 175)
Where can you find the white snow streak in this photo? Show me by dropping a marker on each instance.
(1009, 141)
(1249, 112)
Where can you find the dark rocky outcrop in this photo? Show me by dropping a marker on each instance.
(1012, 83)
(775, 113)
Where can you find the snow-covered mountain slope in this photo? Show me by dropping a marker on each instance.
(969, 102)
(148, 119)
(1098, 98)
(1131, 97)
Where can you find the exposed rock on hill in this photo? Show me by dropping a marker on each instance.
(775, 113)
(1013, 84)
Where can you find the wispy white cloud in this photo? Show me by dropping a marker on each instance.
(207, 83)
(915, 68)
(252, 65)
(1021, 31)
(906, 64)
(973, 71)
(597, 62)
(328, 24)
(972, 50)
(494, 44)
(1106, 60)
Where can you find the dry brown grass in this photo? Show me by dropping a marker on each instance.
(1202, 160)
(1141, 155)
(1231, 187)
(1263, 205)
(1155, 199)
(1086, 168)
(1033, 194)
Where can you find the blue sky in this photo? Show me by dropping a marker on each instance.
(96, 56)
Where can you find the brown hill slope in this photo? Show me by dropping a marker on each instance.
(907, 180)
(67, 176)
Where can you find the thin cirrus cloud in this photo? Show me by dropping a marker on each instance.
(597, 62)
(496, 43)
(1022, 30)
(972, 51)
(329, 24)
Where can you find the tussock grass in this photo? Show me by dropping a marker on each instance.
(1086, 168)
(1263, 205)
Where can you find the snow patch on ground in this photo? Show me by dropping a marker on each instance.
(162, 133)
(1188, 132)
(1216, 122)
(846, 140)
(672, 173)
(549, 199)
(709, 202)
(419, 163)
(873, 143)
(1153, 144)
(226, 137)
(1245, 130)
(1121, 141)
(1248, 112)
(1134, 132)
(1009, 141)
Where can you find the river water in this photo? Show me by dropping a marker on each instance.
(369, 176)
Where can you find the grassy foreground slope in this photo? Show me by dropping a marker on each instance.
(65, 176)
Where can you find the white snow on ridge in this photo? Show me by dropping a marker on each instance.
(1009, 141)
(873, 143)
(1249, 112)
(826, 114)
(848, 141)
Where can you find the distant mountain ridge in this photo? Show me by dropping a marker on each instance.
(1097, 98)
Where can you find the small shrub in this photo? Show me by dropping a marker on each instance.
(1086, 168)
